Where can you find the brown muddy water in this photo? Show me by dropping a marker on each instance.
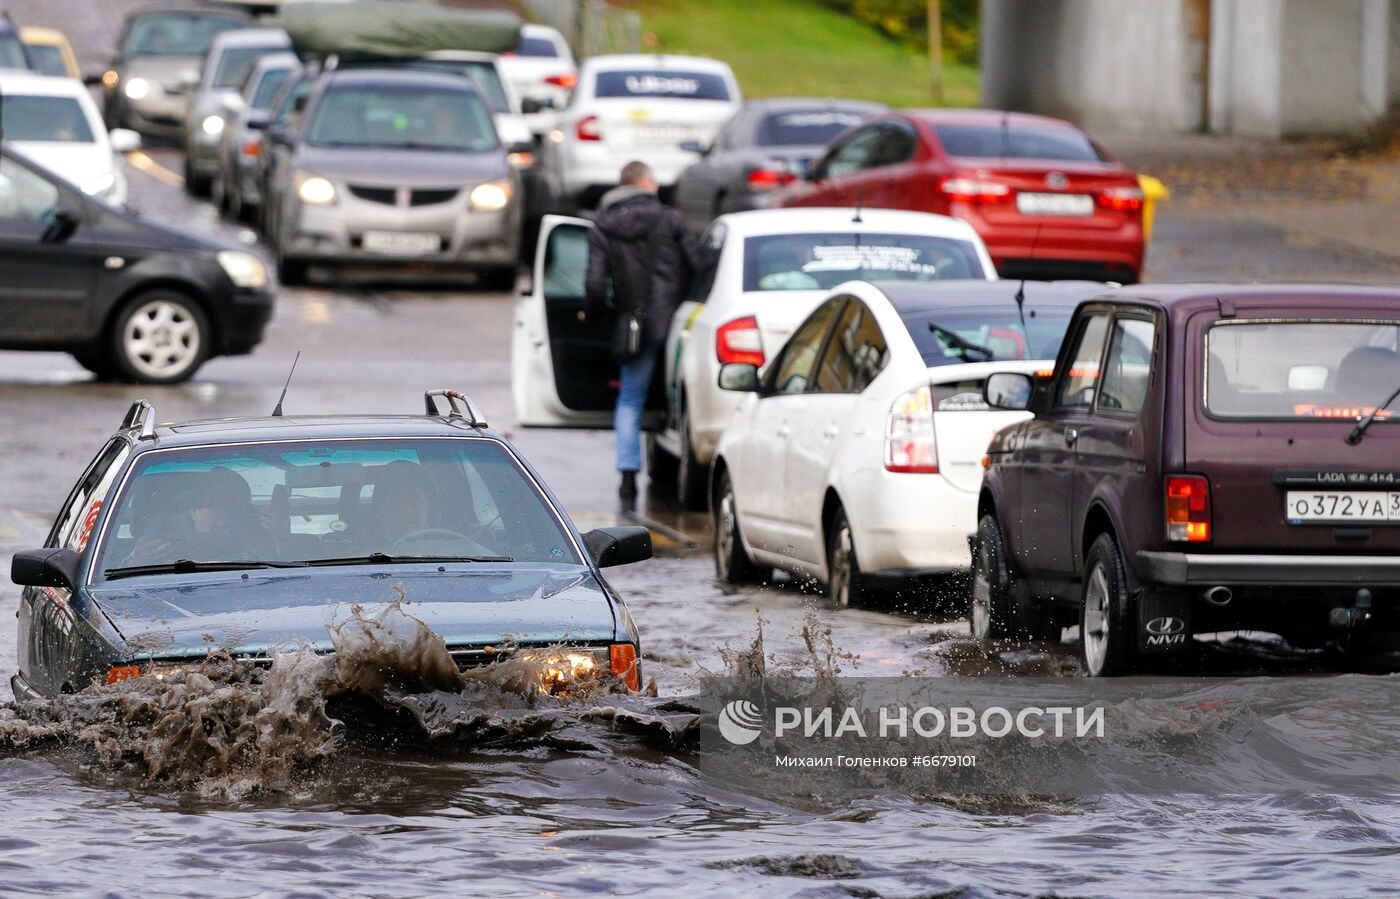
(380, 770)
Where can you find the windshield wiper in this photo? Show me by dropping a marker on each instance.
(959, 343)
(1365, 421)
(390, 559)
(185, 566)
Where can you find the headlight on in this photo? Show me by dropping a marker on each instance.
(137, 89)
(212, 125)
(491, 196)
(243, 269)
(315, 190)
(560, 671)
(100, 185)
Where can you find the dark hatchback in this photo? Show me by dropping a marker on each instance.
(129, 298)
(1204, 459)
(249, 535)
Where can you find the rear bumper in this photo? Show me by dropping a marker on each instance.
(1206, 570)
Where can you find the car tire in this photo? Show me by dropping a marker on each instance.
(159, 337)
(195, 185)
(994, 611)
(845, 583)
(732, 562)
(661, 467)
(498, 280)
(692, 475)
(1107, 636)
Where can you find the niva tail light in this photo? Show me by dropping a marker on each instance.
(588, 129)
(739, 341)
(909, 440)
(1188, 508)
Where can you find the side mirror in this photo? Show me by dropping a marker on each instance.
(49, 567)
(124, 140)
(1009, 390)
(92, 79)
(532, 105)
(694, 146)
(257, 120)
(62, 225)
(616, 546)
(740, 376)
(279, 134)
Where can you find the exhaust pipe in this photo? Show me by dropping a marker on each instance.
(1219, 596)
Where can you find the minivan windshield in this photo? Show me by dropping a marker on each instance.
(175, 34)
(819, 261)
(1301, 369)
(317, 501)
(987, 333)
(402, 117)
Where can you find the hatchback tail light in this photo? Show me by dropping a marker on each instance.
(1121, 199)
(588, 128)
(568, 80)
(1188, 508)
(739, 341)
(975, 191)
(770, 179)
(909, 440)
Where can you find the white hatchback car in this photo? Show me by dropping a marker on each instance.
(857, 454)
(543, 73)
(766, 270)
(54, 121)
(636, 107)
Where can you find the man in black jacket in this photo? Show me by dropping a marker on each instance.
(643, 250)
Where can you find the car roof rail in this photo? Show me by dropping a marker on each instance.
(142, 417)
(459, 406)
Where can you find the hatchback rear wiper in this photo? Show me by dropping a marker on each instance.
(1365, 422)
(390, 559)
(961, 343)
(185, 566)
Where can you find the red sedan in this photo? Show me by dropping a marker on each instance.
(1047, 200)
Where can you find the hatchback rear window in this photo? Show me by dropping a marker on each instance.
(1301, 369)
(1018, 142)
(805, 128)
(821, 261)
(541, 47)
(44, 118)
(670, 84)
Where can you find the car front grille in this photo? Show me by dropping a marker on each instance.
(389, 196)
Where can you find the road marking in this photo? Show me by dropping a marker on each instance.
(144, 163)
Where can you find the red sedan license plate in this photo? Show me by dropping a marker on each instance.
(1054, 204)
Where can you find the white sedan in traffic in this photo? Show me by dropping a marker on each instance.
(54, 121)
(630, 107)
(856, 456)
(765, 271)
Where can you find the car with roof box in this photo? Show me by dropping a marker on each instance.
(1204, 459)
(244, 536)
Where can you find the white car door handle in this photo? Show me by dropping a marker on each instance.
(830, 432)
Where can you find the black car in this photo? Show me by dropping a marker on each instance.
(767, 144)
(241, 536)
(127, 297)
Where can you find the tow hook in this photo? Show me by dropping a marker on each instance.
(1350, 619)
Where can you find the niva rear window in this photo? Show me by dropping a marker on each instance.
(1301, 369)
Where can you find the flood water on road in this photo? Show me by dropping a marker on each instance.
(517, 794)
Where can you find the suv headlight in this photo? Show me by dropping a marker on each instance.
(491, 196)
(212, 125)
(243, 269)
(137, 89)
(315, 190)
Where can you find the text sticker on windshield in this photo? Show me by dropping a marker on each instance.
(851, 257)
(661, 84)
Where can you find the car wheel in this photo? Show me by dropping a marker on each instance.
(732, 562)
(160, 337)
(994, 612)
(498, 280)
(661, 466)
(692, 475)
(1107, 644)
(844, 581)
(195, 185)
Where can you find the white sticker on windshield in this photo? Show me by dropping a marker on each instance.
(881, 258)
(817, 119)
(661, 84)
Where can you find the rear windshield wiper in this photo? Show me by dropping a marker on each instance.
(1365, 422)
(960, 343)
(185, 566)
(390, 559)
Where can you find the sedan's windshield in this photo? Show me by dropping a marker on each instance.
(236, 62)
(987, 334)
(59, 119)
(337, 499)
(427, 118)
(1301, 369)
(820, 261)
(175, 34)
(47, 59)
(12, 52)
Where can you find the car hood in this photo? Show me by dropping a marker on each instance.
(406, 168)
(73, 161)
(169, 71)
(174, 616)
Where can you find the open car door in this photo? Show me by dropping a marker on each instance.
(562, 371)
